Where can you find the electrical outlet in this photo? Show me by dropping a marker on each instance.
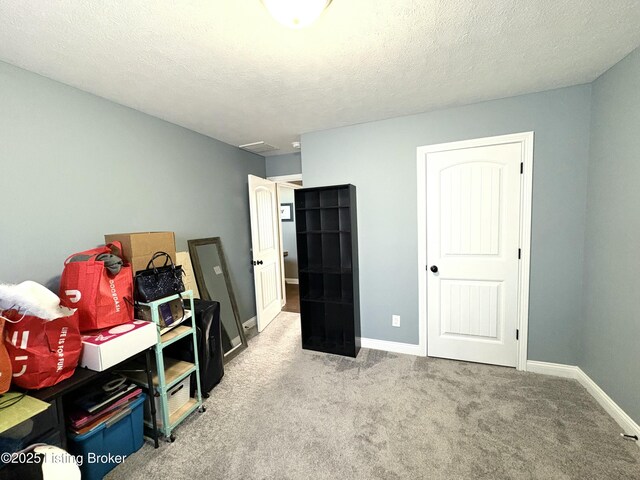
(395, 320)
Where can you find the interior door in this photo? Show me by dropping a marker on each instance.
(265, 243)
(473, 225)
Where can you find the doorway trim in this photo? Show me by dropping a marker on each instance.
(296, 177)
(283, 280)
(526, 189)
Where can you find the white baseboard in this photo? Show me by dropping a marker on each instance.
(628, 425)
(291, 281)
(555, 369)
(612, 408)
(395, 347)
(252, 322)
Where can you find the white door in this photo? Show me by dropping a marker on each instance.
(265, 243)
(473, 236)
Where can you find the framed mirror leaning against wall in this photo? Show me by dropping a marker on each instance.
(214, 283)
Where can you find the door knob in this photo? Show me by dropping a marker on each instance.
(434, 268)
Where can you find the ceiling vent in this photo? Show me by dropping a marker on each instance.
(258, 147)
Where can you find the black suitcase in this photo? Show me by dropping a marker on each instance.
(210, 354)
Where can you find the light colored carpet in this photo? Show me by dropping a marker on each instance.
(286, 413)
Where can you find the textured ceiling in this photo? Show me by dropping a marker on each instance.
(226, 69)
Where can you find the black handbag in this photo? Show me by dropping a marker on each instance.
(155, 283)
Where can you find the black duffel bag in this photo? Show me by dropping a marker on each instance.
(155, 283)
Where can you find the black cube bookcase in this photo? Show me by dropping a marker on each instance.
(327, 238)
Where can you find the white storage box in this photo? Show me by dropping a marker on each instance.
(106, 348)
(177, 397)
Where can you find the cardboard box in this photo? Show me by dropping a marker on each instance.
(138, 248)
(105, 348)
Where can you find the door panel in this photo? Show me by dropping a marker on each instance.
(268, 281)
(470, 213)
(470, 309)
(264, 201)
(473, 225)
(263, 206)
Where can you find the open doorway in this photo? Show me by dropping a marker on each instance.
(286, 187)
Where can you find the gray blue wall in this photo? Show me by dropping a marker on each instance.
(288, 164)
(380, 159)
(611, 327)
(75, 166)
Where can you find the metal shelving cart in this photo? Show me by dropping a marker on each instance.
(170, 372)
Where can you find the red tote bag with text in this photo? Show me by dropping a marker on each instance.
(103, 300)
(42, 352)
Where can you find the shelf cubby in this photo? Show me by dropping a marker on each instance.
(329, 219)
(346, 292)
(328, 198)
(310, 247)
(344, 198)
(346, 259)
(308, 200)
(309, 220)
(316, 285)
(344, 220)
(332, 284)
(331, 250)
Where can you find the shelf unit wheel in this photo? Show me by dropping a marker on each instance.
(171, 438)
(202, 409)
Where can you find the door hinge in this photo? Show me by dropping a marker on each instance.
(519, 254)
(517, 334)
(521, 167)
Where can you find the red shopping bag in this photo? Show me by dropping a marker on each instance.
(42, 352)
(103, 300)
(5, 362)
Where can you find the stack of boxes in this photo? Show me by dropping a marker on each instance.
(105, 348)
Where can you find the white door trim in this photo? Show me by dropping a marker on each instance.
(526, 188)
(283, 279)
(296, 177)
(283, 298)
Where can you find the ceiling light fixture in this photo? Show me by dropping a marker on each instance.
(296, 13)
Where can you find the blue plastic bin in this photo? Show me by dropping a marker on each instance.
(122, 438)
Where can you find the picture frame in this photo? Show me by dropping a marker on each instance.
(286, 212)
